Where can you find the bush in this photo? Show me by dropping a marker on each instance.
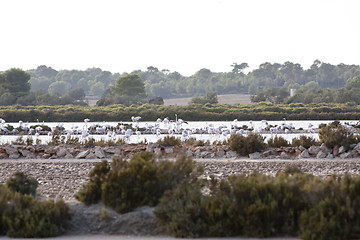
(246, 145)
(181, 212)
(28, 217)
(304, 141)
(252, 206)
(19, 182)
(335, 134)
(169, 141)
(91, 193)
(140, 181)
(290, 204)
(336, 214)
(23, 216)
(277, 141)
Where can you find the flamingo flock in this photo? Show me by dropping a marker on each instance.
(165, 126)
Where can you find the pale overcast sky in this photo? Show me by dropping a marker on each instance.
(179, 35)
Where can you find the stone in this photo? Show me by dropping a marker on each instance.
(269, 153)
(91, 155)
(321, 154)
(231, 154)
(284, 155)
(255, 155)
(336, 150)
(157, 151)
(10, 150)
(197, 153)
(14, 155)
(330, 156)
(83, 154)
(205, 154)
(169, 150)
(68, 156)
(220, 154)
(112, 150)
(61, 152)
(305, 154)
(325, 149)
(188, 153)
(50, 150)
(342, 149)
(46, 156)
(25, 152)
(346, 155)
(314, 150)
(301, 148)
(99, 153)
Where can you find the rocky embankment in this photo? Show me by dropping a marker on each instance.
(206, 152)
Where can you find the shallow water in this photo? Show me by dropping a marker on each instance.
(152, 138)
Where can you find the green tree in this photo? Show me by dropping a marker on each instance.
(129, 89)
(77, 93)
(58, 87)
(273, 95)
(16, 81)
(97, 89)
(239, 68)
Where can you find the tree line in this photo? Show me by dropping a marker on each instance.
(44, 84)
(165, 83)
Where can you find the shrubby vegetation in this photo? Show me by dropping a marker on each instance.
(334, 134)
(193, 112)
(21, 183)
(277, 141)
(290, 204)
(304, 141)
(141, 181)
(24, 216)
(244, 145)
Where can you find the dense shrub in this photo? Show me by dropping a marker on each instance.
(304, 141)
(290, 204)
(24, 216)
(140, 181)
(334, 134)
(91, 192)
(192, 112)
(277, 141)
(180, 210)
(27, 217)
(169, 141)
(19, 182)
(246, 145)
(336, 213)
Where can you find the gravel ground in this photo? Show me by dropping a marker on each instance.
(63, 178)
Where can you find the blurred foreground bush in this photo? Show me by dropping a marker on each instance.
(290, 204)
(24, 216)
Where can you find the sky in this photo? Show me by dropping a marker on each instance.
(178, 35)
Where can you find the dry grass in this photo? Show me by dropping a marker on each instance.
(223, 99)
